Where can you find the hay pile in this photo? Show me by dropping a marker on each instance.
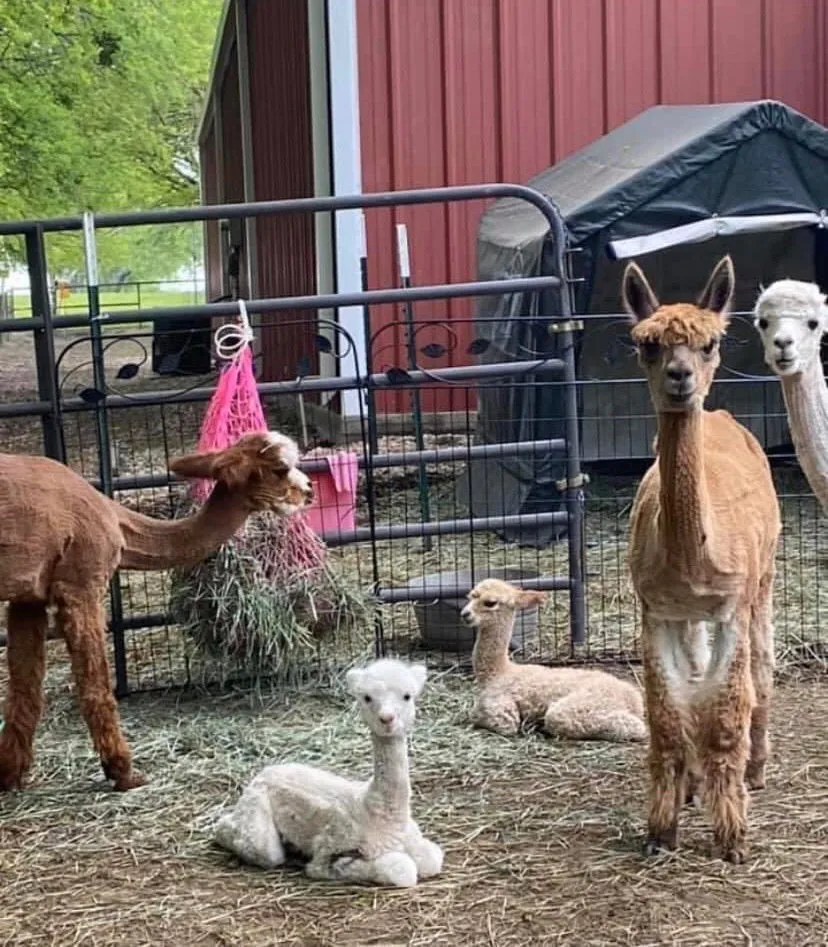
(264, 600)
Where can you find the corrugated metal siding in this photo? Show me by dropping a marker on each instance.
(282, 168)
(469, 91)
(210, 195)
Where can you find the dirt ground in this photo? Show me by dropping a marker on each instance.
(541, 838)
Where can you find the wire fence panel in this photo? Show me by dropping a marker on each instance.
(466, 458)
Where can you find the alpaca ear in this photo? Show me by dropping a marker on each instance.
(419, 673)
(234, 467)
(636, 294)
(717, 295)
(353, 681)
(527, 598)
(195, 466)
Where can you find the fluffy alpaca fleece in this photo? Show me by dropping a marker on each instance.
(350, 831)
(573, 703)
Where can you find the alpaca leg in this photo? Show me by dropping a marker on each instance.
(249, 833)
(669, 752)
(26, 655)
(498, 714)
(427, 855)
(395, 869)
(725, 741)
(761, 666)
(81, 622)
(694, 783)
(581, 716)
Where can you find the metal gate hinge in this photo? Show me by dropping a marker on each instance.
(580, 481)
(568, 325)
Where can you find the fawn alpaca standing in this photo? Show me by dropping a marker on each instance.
(60, 544)
(703, 535)
(350, 831)
(574, 703)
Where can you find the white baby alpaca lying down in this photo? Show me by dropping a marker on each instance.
(350, 831)
(574, 703)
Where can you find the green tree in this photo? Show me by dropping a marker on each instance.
(99, 103)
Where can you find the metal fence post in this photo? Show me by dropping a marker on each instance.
(103, 441)
(44, 344)
(575, 480)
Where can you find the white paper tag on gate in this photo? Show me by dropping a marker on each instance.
(402, 251)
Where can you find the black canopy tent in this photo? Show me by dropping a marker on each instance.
(676, 187)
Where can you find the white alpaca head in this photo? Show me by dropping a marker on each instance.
(791, 317)
(385, 692)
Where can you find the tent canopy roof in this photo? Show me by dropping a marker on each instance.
(744, 159)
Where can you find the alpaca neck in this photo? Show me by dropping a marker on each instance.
(389, 792)
(806, 401)
(684, 520)
(153, 544)
(490, 655)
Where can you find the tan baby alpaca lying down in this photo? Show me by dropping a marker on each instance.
(574, 703)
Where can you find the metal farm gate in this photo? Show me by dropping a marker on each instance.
(415, 515)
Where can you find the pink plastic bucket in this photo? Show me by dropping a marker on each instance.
(333, 509)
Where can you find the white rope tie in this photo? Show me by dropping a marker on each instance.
(232, 338)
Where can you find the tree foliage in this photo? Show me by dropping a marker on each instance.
(99, 103)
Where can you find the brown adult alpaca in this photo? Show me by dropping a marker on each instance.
(703, 534)
(60, 544)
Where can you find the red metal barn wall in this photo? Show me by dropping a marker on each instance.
(278, 90)
(280, 115)
(210, 195)
(471, 91)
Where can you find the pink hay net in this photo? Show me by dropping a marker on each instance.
(234, 410)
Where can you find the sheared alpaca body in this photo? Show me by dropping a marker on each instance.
(573, 703)
(703, 535)
(348, 830)
(792, 319)
(60, 544)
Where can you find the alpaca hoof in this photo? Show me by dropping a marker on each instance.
(9, 781)
(131, 780)
(755, 778)
(657, 844)
(736, 855)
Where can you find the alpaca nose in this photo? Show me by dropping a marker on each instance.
(782, 342)
(678, 372)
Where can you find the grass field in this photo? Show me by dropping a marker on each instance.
(132, 296)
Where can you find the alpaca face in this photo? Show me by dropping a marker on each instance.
(678, 345)
(261, 467)
(791, 318)
(491, 598)
(385, 692)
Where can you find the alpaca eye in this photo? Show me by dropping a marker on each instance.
(490, 603)
(812, 324)
(367, 698)
(708, 349)
(762, 323)
(406, 696)
(650, 350)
